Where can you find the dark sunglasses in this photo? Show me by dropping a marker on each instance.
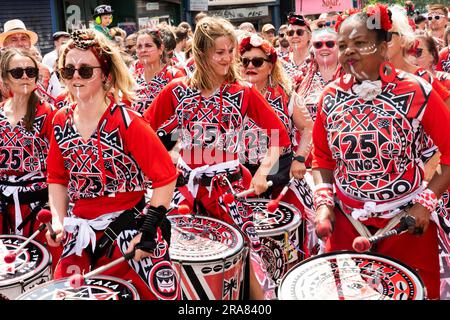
(319, 44)
(326, 24)
(299, 32)
(281, 35)
(85, 72)
(436, 17)
(17, 73)
(257, 62)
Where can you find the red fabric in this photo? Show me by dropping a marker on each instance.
(418, 252)
(444, 60)
(127, 140)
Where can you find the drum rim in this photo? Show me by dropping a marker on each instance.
(341, 252)
(100, 277)
(31, 276)
(280, 230)
(235, 252)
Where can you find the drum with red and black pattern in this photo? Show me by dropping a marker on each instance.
(209, 256)
(281, 233)
(347, 275)
(94, 288)
(30, 268)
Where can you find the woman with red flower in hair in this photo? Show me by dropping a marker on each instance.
(210, 110)
(261, 67)
(367, 150)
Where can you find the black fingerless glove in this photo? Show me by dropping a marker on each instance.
(150, 224)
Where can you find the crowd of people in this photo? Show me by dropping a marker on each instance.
(114, 133)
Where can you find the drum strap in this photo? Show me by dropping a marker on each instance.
(126, 221)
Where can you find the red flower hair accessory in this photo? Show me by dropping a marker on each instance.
(344, 15)
(384, 14)
(256, 41)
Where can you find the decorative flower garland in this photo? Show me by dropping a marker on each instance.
(256, 41)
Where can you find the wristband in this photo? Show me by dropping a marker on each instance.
(427, 199)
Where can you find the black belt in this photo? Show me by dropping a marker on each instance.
(206, 181)
(128, 220)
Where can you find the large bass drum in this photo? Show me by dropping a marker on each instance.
(31, 267)
(94, 288)
(348, 275)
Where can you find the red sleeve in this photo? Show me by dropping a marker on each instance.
(161, 108)
(321, 153)
(441, 90)
(265, 117)
(56, 172)
(436, 122)
(154, 160)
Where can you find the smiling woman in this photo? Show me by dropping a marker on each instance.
(368, 146)
(102, 156)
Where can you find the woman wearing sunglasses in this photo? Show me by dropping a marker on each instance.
(262, 68)
(25, 130)
(210, 110)
(367, 143)
(101, 156)
(152, 71)
(444, 54)
(299, 35)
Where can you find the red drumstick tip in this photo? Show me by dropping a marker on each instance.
(272, 206)
(361, 244)
(10, 257)
(44, 216)
(76, 281)
(184, 209)
(228, 198)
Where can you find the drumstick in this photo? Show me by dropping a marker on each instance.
(77, 280)
(361, 244)
(46, 215)
(274, 203)
(228, 198)
(44, 219)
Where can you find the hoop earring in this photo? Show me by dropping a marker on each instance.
(346, 85)
(387, 77)
(270, 81)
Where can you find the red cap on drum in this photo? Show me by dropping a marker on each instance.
(272, 206)
(76, 281)
(184, 209)
(10, 257)
(361, 244)
(44, 216)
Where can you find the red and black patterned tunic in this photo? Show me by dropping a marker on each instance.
(108, 171)
(147, 91)
(23, 158)
(374, 147)
(216, 122)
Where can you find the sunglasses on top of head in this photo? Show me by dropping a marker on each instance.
(326, 24)
(319, 44)
(17, 73)
(85, 72)
(299, 32)
(257, 62)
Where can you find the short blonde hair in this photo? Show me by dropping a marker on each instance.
(109, 57)
(205, 35)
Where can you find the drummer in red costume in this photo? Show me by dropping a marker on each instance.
(262, 68)
(210, 110)
(367, 143)
(101, 154)
(25, 130)
(152, 70)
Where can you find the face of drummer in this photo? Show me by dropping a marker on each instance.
(221, 56)
(360, 54)
(80, 88)
(255, 74)
(325, 48)
(24, 85)
(147, 51)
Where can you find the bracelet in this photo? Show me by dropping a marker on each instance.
(323, 196)
(427, 199)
